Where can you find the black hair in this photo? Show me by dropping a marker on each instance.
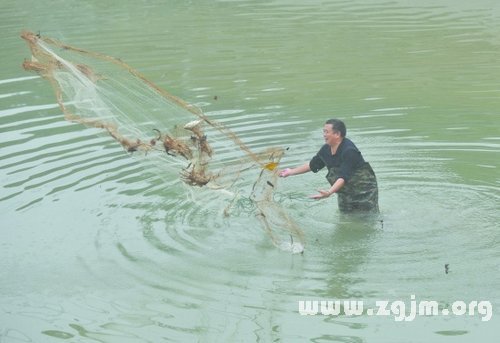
(337, 125)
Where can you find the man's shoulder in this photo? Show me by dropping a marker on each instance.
(324, 149)
(348, 149)
(347, 144)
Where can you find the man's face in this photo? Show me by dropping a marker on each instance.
(330, 135)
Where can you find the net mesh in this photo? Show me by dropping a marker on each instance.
(103, 92)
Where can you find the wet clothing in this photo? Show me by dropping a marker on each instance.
(360, 190)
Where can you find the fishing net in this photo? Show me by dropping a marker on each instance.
(103, 92)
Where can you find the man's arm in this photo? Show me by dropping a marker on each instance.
(334, 189)
(295, 171)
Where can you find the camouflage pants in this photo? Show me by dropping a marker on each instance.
(360, 194)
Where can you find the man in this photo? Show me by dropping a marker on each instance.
(349, 175)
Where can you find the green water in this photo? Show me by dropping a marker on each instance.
(93, 247)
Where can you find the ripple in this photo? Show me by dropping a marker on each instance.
(452, 332)
(58, 334)
(18, 79)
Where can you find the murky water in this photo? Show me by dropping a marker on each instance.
(94, 247)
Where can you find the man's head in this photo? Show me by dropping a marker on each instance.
(334, 132)
(337, 126)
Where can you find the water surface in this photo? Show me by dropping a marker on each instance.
(94, 247)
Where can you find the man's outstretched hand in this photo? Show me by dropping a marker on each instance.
(285, 172)
(322, 194)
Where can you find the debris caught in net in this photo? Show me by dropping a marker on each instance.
(103, 92)
(278, 225)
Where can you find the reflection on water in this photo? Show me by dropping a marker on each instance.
(348, 248)
(97, 247)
